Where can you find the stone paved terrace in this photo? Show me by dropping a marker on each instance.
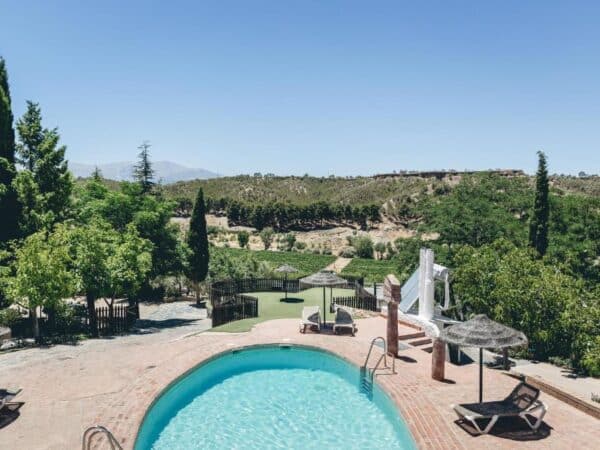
(112, 382)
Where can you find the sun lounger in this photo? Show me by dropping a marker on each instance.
(521, 402)
(343, 320)
(311, 318)
(7, 396)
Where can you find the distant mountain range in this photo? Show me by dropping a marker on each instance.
(166, 171)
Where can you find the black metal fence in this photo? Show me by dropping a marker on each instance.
(241, 307)
(362, 299)
(228, 304)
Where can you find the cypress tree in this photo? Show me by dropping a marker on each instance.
(538, 227)
(143, 172)
(197, 240)
(8, 198)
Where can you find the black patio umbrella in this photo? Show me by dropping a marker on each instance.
(286, 269)
(324, 278)
(482, 332)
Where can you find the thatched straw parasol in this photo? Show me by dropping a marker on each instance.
(482, 332)
(324, 278)
(286, 269)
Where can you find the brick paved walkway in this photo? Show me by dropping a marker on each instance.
(114, 385)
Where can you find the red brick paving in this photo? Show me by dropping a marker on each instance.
(115, 387)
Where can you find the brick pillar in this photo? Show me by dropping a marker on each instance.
(391, 293)
(438, 360)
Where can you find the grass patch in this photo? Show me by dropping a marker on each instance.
(306, 263)
(373, 270)
(271, 307)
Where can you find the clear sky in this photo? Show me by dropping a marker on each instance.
(319, 87)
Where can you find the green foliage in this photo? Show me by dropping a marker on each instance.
(372, 270)
(479, 210)
(42, 276)
(305, 263)
(151, 216)
(243, 237)
(197, 240)
(8, 197)
(289, 240)
(512, 286)
(380, 249)
(229, 264)
(143, 172)
(363, 245)
(591, 358)
(266, 236)
(538, 227)
(44, 188)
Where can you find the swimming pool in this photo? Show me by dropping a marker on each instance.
(266, 397)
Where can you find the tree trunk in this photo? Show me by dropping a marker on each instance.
(92, 319)
(35, 323)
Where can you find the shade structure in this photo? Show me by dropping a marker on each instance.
(323, 278)
(482, 332)
(286, 269)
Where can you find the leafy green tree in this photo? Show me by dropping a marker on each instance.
(44, 188)
(479, 210)
(92, 245)
(41, 275)
(128, 266)
(8, 197)
(513, 287)
(197, 240)
(266, 236)
(243, 238)
(538, 227)
(143, 172)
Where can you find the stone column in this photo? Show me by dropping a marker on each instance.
(438, 360)
(392, 295)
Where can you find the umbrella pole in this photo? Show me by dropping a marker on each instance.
(324, 310)
(480, 375)
(286, 285)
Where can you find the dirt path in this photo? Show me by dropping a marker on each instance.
(339, 264)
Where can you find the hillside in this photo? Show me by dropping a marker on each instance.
(166, 171)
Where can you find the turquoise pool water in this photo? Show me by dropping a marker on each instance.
(273, 398)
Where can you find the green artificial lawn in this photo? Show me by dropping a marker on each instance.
(271, 306)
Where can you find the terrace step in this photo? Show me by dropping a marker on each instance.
(406, 337)
(428, 349)
(420, 342)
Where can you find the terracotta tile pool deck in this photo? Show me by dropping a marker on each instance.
(114, 383)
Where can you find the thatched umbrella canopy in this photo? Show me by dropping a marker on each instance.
(286, 269)
(482, 332)
(324, 278)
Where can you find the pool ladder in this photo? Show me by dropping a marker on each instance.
(367, 374)
(99, 429)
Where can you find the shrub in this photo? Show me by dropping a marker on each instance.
(363, 246)
(9, 316)
(266, 236)
(591, 358)
(300, 245)
(243, 238)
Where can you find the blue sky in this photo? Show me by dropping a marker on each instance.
(317, 87)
